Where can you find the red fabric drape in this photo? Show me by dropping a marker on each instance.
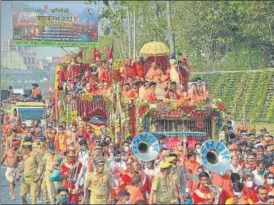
(96, 56)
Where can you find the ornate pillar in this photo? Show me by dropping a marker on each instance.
(213, 123)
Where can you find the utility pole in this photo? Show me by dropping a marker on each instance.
(129, 34)
(169, 26)
(134, 33)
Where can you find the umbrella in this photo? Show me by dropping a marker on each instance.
(154, 49)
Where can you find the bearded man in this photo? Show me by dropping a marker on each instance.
(70, 171)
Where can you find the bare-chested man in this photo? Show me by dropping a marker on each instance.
(37, 127)
(12, 137)
(14, 117)
(12, 159)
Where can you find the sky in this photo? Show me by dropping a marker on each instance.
(6, 30)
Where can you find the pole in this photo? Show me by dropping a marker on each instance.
(67, 110)
(169, 26)
(121, 58)
(129, 33)
(134, 33)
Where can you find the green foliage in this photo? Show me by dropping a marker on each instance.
(216, 35)
(270, 113)
(249, 92)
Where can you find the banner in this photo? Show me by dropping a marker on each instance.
(53, 24)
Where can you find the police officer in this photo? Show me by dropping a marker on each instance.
(161, 190)
(31, 163)
(51, 162)
(174, 176)
(37, 148)
(100, 183)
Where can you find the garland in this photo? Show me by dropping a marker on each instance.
(86, 96)
(178, 111)
(145, 123)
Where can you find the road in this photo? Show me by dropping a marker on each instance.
(5, 198)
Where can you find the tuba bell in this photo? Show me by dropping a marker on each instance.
(215, 156)
(145, 147)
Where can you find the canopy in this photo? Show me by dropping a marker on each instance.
(154, 49)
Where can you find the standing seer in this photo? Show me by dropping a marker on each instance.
(31, 162)
(70, 170)
(12, 159)
(100, 183)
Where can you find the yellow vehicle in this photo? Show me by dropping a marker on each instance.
(28, 111)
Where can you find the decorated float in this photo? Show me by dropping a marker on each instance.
(127, 117)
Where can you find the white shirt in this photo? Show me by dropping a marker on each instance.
(258, 179)
(235, 169)
(233, 125)
(150, 172)
(83, 158)
(119, 165)
(174, 75)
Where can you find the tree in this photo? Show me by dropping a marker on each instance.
(169, 26)
(212, 33)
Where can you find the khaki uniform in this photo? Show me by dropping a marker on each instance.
(174, 179)
(41, 187)
(32, 162)
(162, 187)
(49, 160)
(100, 186)
(43, 183)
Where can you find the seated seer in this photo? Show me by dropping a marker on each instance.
(198, 91)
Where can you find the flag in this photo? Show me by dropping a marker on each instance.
(96, 56)
(110, 53)
(80, 55)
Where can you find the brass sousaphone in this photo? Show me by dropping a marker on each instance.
(215, 156)
(145, 147)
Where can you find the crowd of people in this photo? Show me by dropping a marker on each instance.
(61, 164)
(69, 164)
(155, 84)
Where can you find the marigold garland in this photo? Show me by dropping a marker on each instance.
(86, 96)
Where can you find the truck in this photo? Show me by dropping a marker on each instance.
(28, 111)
